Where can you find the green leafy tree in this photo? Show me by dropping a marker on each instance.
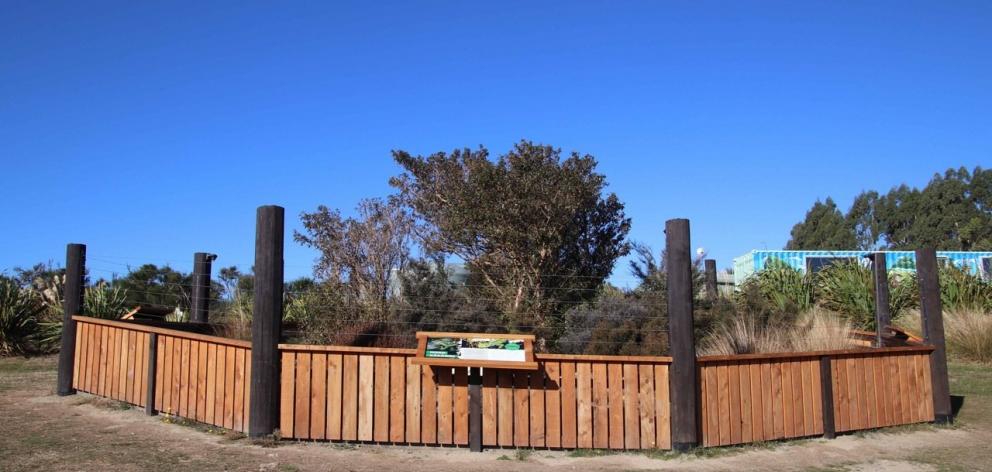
(536, 230)
(824, 227)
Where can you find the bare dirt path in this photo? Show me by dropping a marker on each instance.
(41, 431)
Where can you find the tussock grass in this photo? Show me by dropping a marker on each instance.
(967, 332)
(815, 330)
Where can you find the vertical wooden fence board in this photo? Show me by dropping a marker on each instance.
(318, 396)
(380, 399)
(735, 402)
(632, 428)
(840, 394)
(799, 427)
(301, 399)
(159, 372)
(490, 390)
(194, 379)
(184, 379)
(895, 390)
(815, 396)
(788, 400)
(601, 405)
(428, 431)
(349, 398)
(645, 406)
(105, 340)
(397, 398)
(366, 389)
(615, 404)
(413, 402)
(229, 386)
(201, 382)
(521, 409)
(504, 409)
(79, 366)
(778, 392)
(927, 387)
(211, 391)
(287, 395)
(444, 410)
(118, 358)
(711, 436)
(757, 402)
(662, 407)
(76, 358)
(247, 396)
(536, 401)
(460, 408)
(747, 407)
(861, 419)
(221, 380)
(568, 406)
(552, 404)
(583, 398)
(94, 359)
(704, 405)
(177, 359)
(723, 407)
(335, 400)
(870, 394)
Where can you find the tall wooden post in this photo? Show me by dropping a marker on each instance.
(75, 271)
(474, 409)
(201, 287)
(710, 270)
(827, 398)
(266, 326)
(152, 365)
(883, 318)
(684, 378)
(933, 332)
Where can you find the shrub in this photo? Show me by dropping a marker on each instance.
(19, 313)
(961, 290)
(787, 289)
(848, 288)
(815, 330)
(967, 333)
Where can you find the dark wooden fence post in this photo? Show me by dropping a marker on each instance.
(75, 271)
(474, 409)
(827, 397)
(152, 364)
(933, 332)
(683, 381)
(200, 312)
(883, 318)
(266, 326)
(711, 286)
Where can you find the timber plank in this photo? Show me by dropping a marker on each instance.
(552, 404)
(177, 358)
(645, 406)
(184, 379)
(428, 432)
(747, 405)
(211, 384)
(397, 398)
(335, 399)
(615, 404)
(201, 382)
(366, 389)
(444, 405)
(870, 394)
(910, 398)
(301, 397)
(712, 401)
(536, 401)
(806, 372)
(896, 392)
(460, 416)
(349, 398)
(115, 386)
(413, 401)
(788, 404)
(76, 358)
(734, 418)
(799, 428)
(662, 406)
(287, 393)
(757, 402)
(229, 366)
(194, 377)
(521, 413)
(817, 397)
(569, 414)
(504, 408)
(632, 428)
(318, 395)
(601, 406)
(881, 400)
(778, 412)
(380, 400)
(583, 399)
(842, 412)
(490, 391)
(159, 371)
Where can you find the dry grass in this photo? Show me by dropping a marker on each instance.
(967, 332)
(815, 330)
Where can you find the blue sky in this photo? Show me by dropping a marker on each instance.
(151, 131)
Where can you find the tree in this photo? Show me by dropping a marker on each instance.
(824, 228)
(361, 255)
(535, 230)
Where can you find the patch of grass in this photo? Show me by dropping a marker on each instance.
(591, 453)
(523, 454)
(102, 403)
(504, 457)
(713, 452)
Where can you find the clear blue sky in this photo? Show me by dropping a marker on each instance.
(150, 131)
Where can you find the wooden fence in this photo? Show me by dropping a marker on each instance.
(200, 377)
(761, 397)
(606, 402)
(364, 394)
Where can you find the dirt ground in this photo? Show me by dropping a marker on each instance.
(41, 431)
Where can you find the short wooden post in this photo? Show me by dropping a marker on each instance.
(152, 361)
(827, 398)
(883, 318)
(75, 271)
(475, 409)
(711, 285)
(266, 326)
(684, 375)
(201, 287)
(933, 332)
